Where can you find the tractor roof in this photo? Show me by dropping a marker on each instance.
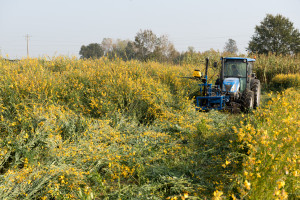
(239, 58)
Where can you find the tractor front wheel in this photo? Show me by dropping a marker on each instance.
(247, 100)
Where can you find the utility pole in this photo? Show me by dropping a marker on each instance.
(27, 38)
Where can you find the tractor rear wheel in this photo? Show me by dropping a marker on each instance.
(247, 100)
(256, 88)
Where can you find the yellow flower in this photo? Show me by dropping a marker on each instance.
(247, 184)
(233, 197)
(186, 195)
(280, 184)
(277, 193)
(217, 195)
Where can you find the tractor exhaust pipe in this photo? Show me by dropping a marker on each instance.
(222, 72)
(206, 67)
(205, 77)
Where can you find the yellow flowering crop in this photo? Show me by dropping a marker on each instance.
(272, 139)
(110, 129)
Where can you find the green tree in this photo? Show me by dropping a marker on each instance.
(165, 50)
(130, 52)
(145, 43)
(147, 46)
(230, 46)
(92, 50)
(119, 49)
(275, 34)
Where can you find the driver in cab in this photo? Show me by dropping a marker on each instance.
(235, 71)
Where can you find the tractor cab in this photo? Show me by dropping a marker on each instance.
(236, 74)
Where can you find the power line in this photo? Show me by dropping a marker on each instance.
(27, 38)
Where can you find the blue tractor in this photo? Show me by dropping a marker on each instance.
(237, 88)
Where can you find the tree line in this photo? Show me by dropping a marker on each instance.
(146, 46)
(275, 34)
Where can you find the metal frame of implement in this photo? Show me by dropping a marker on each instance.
(209, 99)
(212, 100)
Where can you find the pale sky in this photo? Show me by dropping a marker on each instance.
(60, 27)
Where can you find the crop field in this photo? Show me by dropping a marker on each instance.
(110, 129)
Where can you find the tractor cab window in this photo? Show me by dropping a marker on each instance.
(235, 68)
(250, 67)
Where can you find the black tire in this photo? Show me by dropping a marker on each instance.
(247, 100)
(218, 82)
(256, 88)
